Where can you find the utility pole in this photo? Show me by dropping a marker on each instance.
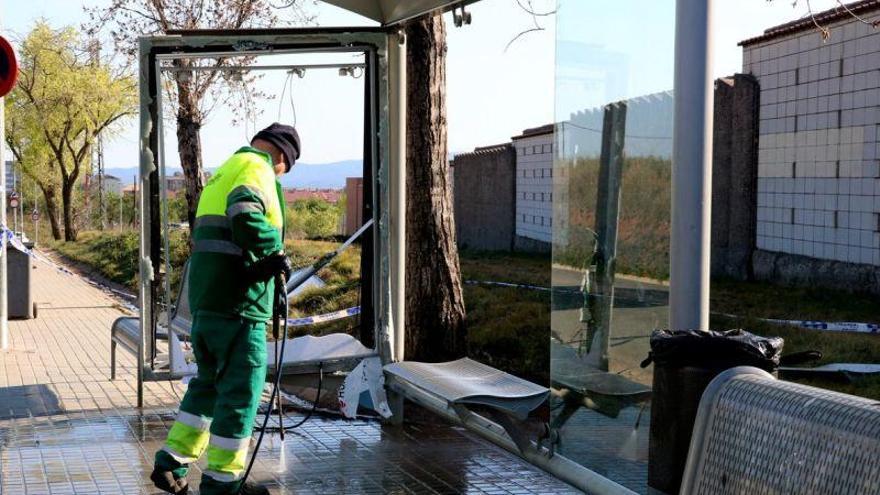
(95, 59)
(36, 214)
(100, 146)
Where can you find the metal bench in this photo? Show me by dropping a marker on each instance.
(126, 331)
(458, 386)
(756, 434)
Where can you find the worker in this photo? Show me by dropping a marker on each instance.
(237, 252)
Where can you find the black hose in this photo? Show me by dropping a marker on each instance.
(309, 414)
(280, 284)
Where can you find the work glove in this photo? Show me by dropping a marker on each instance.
(270, 266)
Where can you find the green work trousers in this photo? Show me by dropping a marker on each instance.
(217, 413)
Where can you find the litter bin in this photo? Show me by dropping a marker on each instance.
(20, 298)
(685, 361)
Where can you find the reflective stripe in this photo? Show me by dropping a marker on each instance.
(226, 465)
(179, 457)
(222, 477)
(212, 221)
(185, 442)
(251, 189)
(244, 207)
(233, 444)
(215, 246)
(193, 420)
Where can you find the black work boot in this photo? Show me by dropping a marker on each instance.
(167, 482)
(249, 488)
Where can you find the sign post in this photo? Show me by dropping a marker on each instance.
(8, 74)
(35, 216)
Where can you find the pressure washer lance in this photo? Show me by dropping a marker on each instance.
(306, 274)
(279, 320)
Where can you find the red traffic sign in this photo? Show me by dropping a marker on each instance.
(35, 215)
(13, 200)
(8, 67)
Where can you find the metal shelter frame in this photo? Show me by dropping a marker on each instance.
(379, 154)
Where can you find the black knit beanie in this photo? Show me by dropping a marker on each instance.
(285, 138)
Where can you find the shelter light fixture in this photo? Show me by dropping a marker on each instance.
(183, 76)
(461, 18)
(299, 71)
(352, 71)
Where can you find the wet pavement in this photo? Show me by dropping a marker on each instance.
(65, 428)
(112, 454)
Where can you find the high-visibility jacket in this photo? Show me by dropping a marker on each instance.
(239, 220)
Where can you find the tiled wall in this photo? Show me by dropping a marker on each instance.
(819, 145)
(534, 187)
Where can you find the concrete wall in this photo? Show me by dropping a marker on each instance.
(484, 198)
(734, 176)
(818, 168)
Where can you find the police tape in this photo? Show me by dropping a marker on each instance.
(324, 318)
(8, 237)
(830, 326)
(510, 285)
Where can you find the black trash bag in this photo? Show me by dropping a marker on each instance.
(714, 349)
(685, 362)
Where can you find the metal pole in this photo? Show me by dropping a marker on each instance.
(691, 166)
(4, 310)
(397, 138)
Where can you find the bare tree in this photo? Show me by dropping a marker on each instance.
(195, 92)
(819, 19)
(528, 7)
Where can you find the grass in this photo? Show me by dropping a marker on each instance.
(835, 347)
(113, 256)
(766, 300)
(754, 300)
(508, 327)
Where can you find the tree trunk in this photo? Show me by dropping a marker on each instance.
(435, 310)
(52, 211)
(67, 206)
(189, 145)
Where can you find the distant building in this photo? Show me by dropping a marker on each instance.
(354, 204)
(176, 182)
(112, 184)
(534, 188)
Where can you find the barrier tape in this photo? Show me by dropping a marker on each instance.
(830, 326)
(8, 237)
(324, 318)
(523, 286)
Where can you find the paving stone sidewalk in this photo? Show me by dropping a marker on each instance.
(65, 428)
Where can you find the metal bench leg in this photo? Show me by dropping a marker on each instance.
(140, 386)
(395, 402)
(112, 360)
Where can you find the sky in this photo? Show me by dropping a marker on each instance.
(623, 49)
